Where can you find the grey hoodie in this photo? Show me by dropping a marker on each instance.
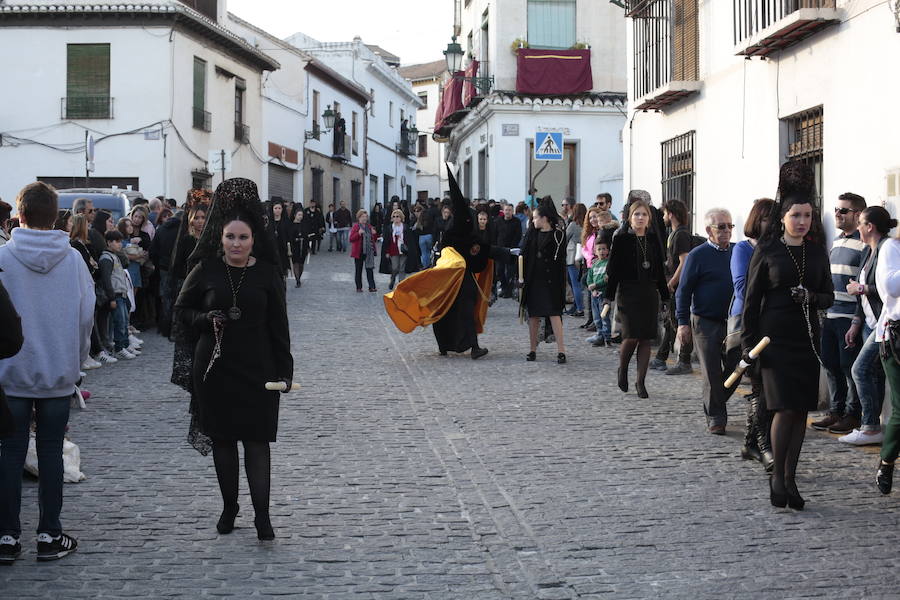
(52, 290)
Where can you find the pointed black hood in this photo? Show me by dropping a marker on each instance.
(461, 234)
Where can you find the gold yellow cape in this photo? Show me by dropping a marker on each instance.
(426, 296)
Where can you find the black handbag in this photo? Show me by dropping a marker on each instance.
(890, 347)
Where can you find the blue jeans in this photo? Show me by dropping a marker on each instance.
(425, 244)
(51, 416)
(343, 234)
(119, 323)
(868, 374)
(575, 282)
(838, 360)
(604, 326)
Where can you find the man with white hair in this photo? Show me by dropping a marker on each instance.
(704, 294)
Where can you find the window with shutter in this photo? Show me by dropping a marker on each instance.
(202, 119)
(685, 21)
(551, 23)
(87, 82)
(678, 170)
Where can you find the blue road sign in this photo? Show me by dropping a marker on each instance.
(548, 145)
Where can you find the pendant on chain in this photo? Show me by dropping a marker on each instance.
(234, 313)
(646, 264)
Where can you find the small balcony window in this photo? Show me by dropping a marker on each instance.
(762, 27)
(87, 82)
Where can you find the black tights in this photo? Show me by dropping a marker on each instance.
(257, 464)
(788, 431)
(643, 356)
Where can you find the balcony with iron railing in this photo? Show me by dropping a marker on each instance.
(202, 119)
(86, 107)
(666, 52)
(241, 133)
(762, 27)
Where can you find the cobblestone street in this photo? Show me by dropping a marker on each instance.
(402, 474)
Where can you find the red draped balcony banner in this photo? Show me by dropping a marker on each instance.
(451, 99)
(557, 72)
(469, 90)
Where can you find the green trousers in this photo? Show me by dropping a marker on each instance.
(890, 447)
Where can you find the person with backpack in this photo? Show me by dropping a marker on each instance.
(678, 245)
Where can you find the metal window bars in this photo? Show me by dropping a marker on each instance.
(202, 119)
(86, 107)
(752, 16)
(805, 142)
(678, 169)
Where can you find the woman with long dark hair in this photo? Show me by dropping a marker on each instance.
(788, 280)
(280, 230)
(544, 291)
(233, 299)
(636, 282)
(301, 235)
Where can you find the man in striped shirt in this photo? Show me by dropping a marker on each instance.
(837, 356)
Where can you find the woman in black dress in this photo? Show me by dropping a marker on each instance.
(280, 229)
(788, 280)
(234, 300)
(544, 290)
(636, 282)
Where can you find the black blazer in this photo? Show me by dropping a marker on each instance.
(625, 263)
(872, 293)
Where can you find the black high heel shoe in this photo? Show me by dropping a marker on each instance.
(623, 379)
(794, 499)
(561, 358)
(531, 356)
(777, 500)
(641, 389)
(226, 521)
(264, 528)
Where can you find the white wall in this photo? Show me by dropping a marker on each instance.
(431, 175)
(736, 116)
(162, 91)
(328, 95)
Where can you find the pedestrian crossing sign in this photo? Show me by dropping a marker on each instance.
(548, 145)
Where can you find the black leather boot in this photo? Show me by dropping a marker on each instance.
(750, 450)
(763, 420)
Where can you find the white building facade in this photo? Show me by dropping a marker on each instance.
(490, 134)
(431, 176)
(389, 153)
(744, 90)
(156, 85)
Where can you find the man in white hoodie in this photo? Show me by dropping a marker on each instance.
(53, 292)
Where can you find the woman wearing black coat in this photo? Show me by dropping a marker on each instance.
(280, 230)
(636, 282)
(544, 290)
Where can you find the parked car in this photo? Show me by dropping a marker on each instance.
(113, 200)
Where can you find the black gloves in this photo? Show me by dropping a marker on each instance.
(287, 384)
(801, 295)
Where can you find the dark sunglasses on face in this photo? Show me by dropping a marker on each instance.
(723, 226)
(844, 211)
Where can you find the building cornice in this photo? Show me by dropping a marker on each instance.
(148, 13)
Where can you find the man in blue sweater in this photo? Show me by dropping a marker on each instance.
(704, 293)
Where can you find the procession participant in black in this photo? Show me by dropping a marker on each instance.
(234, 300)
(636, 283)
(279, 227)
(452, 296)
(788, 280)
(301, 235)
(544, 269)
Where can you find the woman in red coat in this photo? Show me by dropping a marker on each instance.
(362, 248)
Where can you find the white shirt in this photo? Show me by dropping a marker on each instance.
(887, 278)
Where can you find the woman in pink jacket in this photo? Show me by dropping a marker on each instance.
(362, 249)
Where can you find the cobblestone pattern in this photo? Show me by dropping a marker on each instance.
(402, 474)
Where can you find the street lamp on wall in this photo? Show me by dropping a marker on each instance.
(454, 56)
(413, 139)
(328, 117)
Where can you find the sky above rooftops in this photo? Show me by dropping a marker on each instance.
(417, 31)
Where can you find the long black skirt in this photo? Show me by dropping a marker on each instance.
(455, 332)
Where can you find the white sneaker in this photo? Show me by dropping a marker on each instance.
(133, 330)
(134, 350)
(135, 341)
(858, 437)
(90, 363)
(106, 357)
(124, 354)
